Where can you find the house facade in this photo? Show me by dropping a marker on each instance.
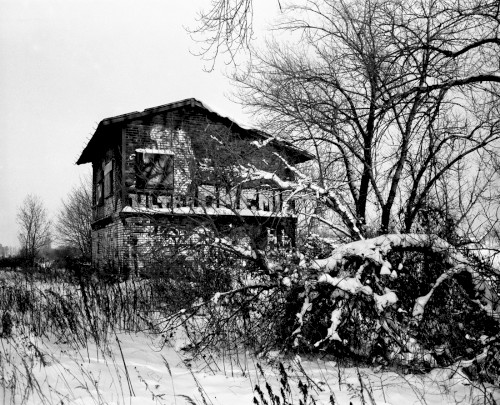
(164, 176)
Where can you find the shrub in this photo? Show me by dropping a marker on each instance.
(404, 303)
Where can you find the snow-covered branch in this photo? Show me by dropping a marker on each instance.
(376, 250)
(304, 184)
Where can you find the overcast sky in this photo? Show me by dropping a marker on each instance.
(67, 64)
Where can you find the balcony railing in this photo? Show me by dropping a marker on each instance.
(269, 201)
(208, 200)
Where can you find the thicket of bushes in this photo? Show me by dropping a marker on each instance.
(261, 310)
(225, 300)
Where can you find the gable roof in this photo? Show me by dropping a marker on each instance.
(96, 141)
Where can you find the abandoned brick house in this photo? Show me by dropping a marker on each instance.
(162, 173)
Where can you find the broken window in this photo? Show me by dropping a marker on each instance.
(108, 179)
(99, 192)
(154, 169)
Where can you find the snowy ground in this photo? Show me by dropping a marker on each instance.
(61, 374)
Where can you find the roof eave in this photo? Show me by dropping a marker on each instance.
(85, 157)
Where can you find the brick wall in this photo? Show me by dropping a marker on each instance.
(107, 246)
(193, 138)
(132, 243)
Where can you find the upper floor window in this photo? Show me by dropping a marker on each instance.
(99, 188)
(154, 169)
(108, 179)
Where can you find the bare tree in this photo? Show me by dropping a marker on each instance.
(392, 97)
(35, 228)
(399, 100)
(226, 27)
(74, 220)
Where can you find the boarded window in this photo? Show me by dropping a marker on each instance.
(154, 169)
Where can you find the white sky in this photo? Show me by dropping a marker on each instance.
(67, 64)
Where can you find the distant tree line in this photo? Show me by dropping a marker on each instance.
(71, 232)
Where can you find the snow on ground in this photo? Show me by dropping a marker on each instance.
(164, 375)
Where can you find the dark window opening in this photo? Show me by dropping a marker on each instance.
(196, 196)
(238, 198)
